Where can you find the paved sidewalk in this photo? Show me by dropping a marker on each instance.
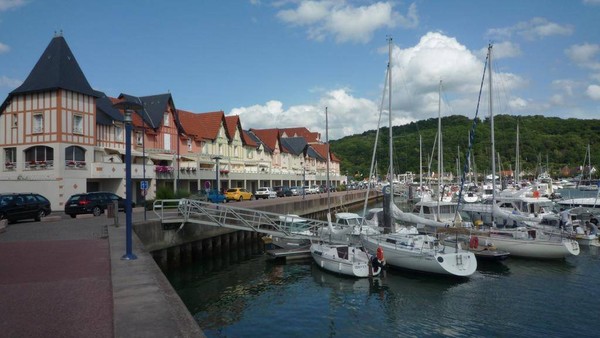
(65, 278)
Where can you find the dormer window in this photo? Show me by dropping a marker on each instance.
(15, 120)
(139, 137)
(77, 124)
(38, 123)
(166, 119)
(118, 134)
(189, 144)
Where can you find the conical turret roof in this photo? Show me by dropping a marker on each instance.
(56, 68)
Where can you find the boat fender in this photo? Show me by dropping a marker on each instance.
(474, 242)
(380, 254)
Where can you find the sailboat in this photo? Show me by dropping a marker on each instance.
(422, 253)
(520, 241)
(349, 259)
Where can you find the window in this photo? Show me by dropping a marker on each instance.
(39, 154)
(77, 124)
(74, 153)
(38, 123)
(15, 120)
(189, 144)
(166, 120)
(10, 155)
(139, 137)
(118, 133)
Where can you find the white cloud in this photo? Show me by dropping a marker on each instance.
(10, 4)
(418, 70)
(534, 29)
(345, 22)
(565, 85)
(347, 115)
(593, 91)
(8, 82)
(416, 74)
(4, 48)
(503, 50)
(584, 55)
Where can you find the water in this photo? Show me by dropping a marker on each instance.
(246, 294)
(249, 295)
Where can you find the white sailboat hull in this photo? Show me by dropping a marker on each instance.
(343, 259)
(444, 262)
(534, 248)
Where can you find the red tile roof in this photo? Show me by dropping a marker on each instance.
(247, 140)
(310, 137)
(269, 137)
(232, 123)
(322, 149)
(203, 125)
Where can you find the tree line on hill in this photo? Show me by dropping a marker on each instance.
(550, 144)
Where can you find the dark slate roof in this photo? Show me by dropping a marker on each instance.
(56, 68)
(295, 145)
(154, 107)
(312, 153)
(105, 112)
(258, 141)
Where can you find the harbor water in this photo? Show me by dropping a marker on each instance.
(244, 293)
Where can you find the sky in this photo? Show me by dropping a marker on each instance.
(285, 63)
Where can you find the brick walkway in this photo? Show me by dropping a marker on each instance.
(64, 278)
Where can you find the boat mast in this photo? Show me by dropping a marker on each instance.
(492, 135)
(518, 160)
(440, 189)
(328, 159)
(420, 165)
(391, 172)
(391, 152)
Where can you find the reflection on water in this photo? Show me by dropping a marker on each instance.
(245, 294)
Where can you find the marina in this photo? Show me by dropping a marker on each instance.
(245, 293)
(230, 292)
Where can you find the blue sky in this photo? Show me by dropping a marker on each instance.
(280, 63)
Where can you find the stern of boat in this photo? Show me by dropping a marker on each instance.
(461, 264)
(572, 246)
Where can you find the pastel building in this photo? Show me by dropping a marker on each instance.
(59, 137)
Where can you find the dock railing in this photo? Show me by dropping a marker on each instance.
(187, 211)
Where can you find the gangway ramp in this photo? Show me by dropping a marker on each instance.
(187, 211)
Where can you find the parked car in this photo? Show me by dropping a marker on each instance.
(283, 191)
(213, 196)
(238, 194)
(296, 190)
(314, 189)
(93, 203)
(19, 206)
(265, 192)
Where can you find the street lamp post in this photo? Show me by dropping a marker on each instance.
(218, 184)
(303, 180)
(127, 107)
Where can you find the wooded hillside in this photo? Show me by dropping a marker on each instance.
(544, 142)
